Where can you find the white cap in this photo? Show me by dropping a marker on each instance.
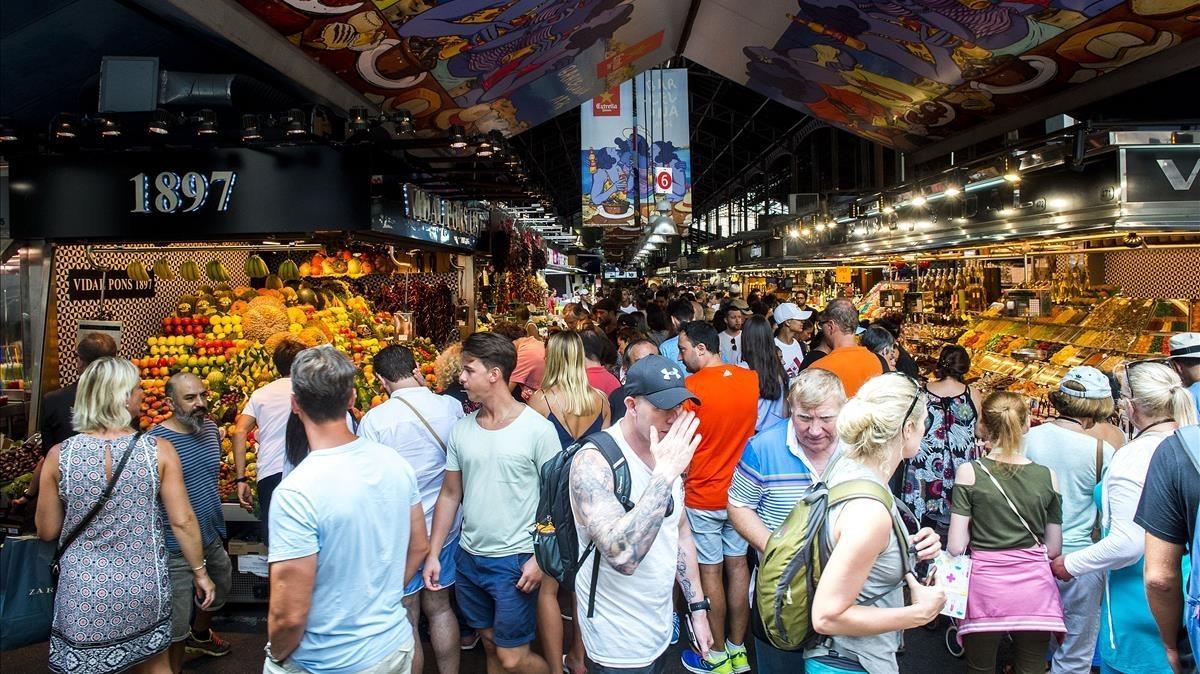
(789, 311)
(1185, 345)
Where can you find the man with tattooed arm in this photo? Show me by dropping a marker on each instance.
(649, 547)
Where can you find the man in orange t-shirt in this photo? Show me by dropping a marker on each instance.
(727, 417)
(853, 364)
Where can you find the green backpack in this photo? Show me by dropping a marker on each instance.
(796, 553)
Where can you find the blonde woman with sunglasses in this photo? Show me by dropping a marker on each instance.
(859, 600)
(1157, 403)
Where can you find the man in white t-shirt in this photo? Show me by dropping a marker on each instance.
(266, 414)
(493, 465)
(347, 532)
(416, 422)
(644, 551)
(731, 336)
(790, 319)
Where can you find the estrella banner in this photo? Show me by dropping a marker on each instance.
(632, 162)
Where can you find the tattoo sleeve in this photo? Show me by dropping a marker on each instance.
(687, 571)
(622, 538)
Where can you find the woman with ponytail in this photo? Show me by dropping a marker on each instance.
(859, 600)
(1007, 509)
(1157, 403)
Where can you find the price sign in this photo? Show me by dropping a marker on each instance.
(842, 274)
(663, 182)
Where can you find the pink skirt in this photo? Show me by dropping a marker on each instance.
(1012, 591)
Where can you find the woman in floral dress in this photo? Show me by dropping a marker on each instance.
(112, 607)
(949, 440)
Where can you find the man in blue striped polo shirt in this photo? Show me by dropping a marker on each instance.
(198, 442)
(778, 466)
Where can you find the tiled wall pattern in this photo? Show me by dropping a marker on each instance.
(141, 317)
(1164, 273)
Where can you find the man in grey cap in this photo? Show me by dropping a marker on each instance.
(731, 336)
(1185, 358)
(646, 549)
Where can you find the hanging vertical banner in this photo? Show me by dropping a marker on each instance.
(633, 160)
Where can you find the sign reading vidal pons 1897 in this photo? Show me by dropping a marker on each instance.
(85, 284)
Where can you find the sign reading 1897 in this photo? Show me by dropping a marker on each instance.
(170, 192)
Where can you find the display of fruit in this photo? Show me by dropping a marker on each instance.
(163, 270)
(137, 272)
(216, 271)
(256, 267)
(189, 271)
(289, 271)
(17, 460)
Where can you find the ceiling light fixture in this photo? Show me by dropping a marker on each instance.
(206, 123)
(484, 147)
(108, 128)
(458, 137)
(359, 119)
(7, 133)
(295, 124)
(403, 120)
(65, 127)
(159, 124)
(919, 200)
(250, 130)
(952, 191)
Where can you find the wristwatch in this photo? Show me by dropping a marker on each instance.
(241, 480)
(702, 605)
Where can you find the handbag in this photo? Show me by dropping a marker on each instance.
(91, 514)
(1097, 532)
(428, 427)
(26, 591)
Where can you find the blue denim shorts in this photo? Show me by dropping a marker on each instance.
(488, 597)
(715, 536)
(449, 569)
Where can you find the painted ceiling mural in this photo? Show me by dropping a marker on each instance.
(501, 65)
(909, 72)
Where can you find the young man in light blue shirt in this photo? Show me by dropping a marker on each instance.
(681, 312)
(347, 533)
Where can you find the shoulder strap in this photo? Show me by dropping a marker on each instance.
(104, 497)
(1189, 437)
(1012, 505)
(852, 489)
(616, 461)
(421, 418)
(1099, 459)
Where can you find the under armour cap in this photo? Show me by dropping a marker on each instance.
(660, 380)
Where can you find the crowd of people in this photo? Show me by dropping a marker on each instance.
(698, 421)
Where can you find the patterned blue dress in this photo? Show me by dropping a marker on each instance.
(112, 609)
(949, 442)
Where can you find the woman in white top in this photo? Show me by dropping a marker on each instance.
(859, 602)
(1158, 404)
(1078, 458)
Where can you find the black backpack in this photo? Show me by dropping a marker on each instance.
(555, 542)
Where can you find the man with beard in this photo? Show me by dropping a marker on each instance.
(198, 442)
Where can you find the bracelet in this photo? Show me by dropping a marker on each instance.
(201, 567)
(242, 479)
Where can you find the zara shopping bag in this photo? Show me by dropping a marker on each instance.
(26, 591)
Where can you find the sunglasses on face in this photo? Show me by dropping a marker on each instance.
(1124, 389)
(916, 398)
